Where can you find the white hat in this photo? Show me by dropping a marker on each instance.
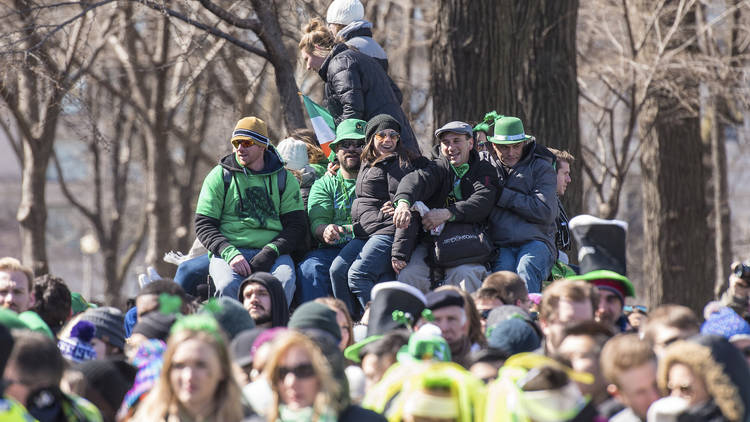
(344, 12)
(294, 153)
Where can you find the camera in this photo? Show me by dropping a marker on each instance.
(742, 270)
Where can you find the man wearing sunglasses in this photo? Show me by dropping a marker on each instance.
(250, 214)
(329, 208)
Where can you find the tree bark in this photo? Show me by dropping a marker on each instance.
(271, 37)
(518, 58)
(679, 264)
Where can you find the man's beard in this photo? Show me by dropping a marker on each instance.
(351, 169)
(263, 318)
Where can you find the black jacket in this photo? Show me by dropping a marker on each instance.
(375, 186)
(357, 87)
(433, 184)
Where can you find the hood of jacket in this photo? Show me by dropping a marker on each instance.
(279, 307)
(272, 162)
(361, 28)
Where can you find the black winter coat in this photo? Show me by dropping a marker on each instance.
(357, 87)
(376, 185)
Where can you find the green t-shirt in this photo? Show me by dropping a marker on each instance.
(249, 212)
(330, 201)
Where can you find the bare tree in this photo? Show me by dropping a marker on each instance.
(40, 64)
(111, 160)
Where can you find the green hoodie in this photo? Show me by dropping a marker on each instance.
(249, 214)
(330, 201)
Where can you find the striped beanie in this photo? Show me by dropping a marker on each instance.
(250, 128)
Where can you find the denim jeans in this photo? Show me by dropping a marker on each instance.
(228, 282)
(313, 273)
(372, 262)
(339, 273)
(532, 262)
(192, 272)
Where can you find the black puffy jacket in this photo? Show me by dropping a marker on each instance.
(376, 185)
(357, 87)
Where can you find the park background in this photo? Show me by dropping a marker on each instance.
(113, 111)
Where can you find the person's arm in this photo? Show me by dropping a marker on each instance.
(208, 216)
(478, 205)
(320, 206)
(538, 206)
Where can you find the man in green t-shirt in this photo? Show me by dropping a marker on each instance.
(250, 214)
(329, 208)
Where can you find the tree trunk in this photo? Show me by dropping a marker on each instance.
(271, 37)
(32, 212)
(158, 163)
(518, 58)
(679, 265)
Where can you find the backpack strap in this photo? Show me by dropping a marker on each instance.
(280, 180)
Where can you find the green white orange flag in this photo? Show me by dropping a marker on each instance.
(322, 123)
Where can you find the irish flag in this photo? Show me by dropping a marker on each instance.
(322, 123)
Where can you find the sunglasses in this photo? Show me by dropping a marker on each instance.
(387, 134)
(303, 370)
(350, 143)
(485, 313)
(245, 143)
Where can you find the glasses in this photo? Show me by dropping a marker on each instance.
(485, 313)
(387, 134)
(303, 370)
(245, 143)
(358, 144)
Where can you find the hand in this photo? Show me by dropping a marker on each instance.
(397, 265)
(332, 233)
(387, 209)
(402, 216)
(435, 218)
(240, 265)
(333, 168)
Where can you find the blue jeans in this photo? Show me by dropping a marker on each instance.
(313, 273)
(372, 262)
(228, 282)
(339, 272)
(532, 262)
(192, 272)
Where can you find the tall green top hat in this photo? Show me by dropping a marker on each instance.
(508, 130)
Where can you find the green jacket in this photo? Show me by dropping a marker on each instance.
(251, 213)
(330, 201)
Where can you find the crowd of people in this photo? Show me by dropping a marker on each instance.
(378, 283)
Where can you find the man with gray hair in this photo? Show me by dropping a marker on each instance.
(457, 187)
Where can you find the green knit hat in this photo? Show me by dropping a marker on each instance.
(508, 130)
(349, 129)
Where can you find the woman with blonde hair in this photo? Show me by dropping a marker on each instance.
(196, 381)
(301, 381)
(356, 85)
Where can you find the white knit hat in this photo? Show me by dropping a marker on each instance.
(294, 153)
(344, 12)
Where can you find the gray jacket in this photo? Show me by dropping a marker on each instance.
(526, 208)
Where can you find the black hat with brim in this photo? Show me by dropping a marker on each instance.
(388, 297)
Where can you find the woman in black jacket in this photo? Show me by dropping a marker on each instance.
(356, 85)
(384, 162)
